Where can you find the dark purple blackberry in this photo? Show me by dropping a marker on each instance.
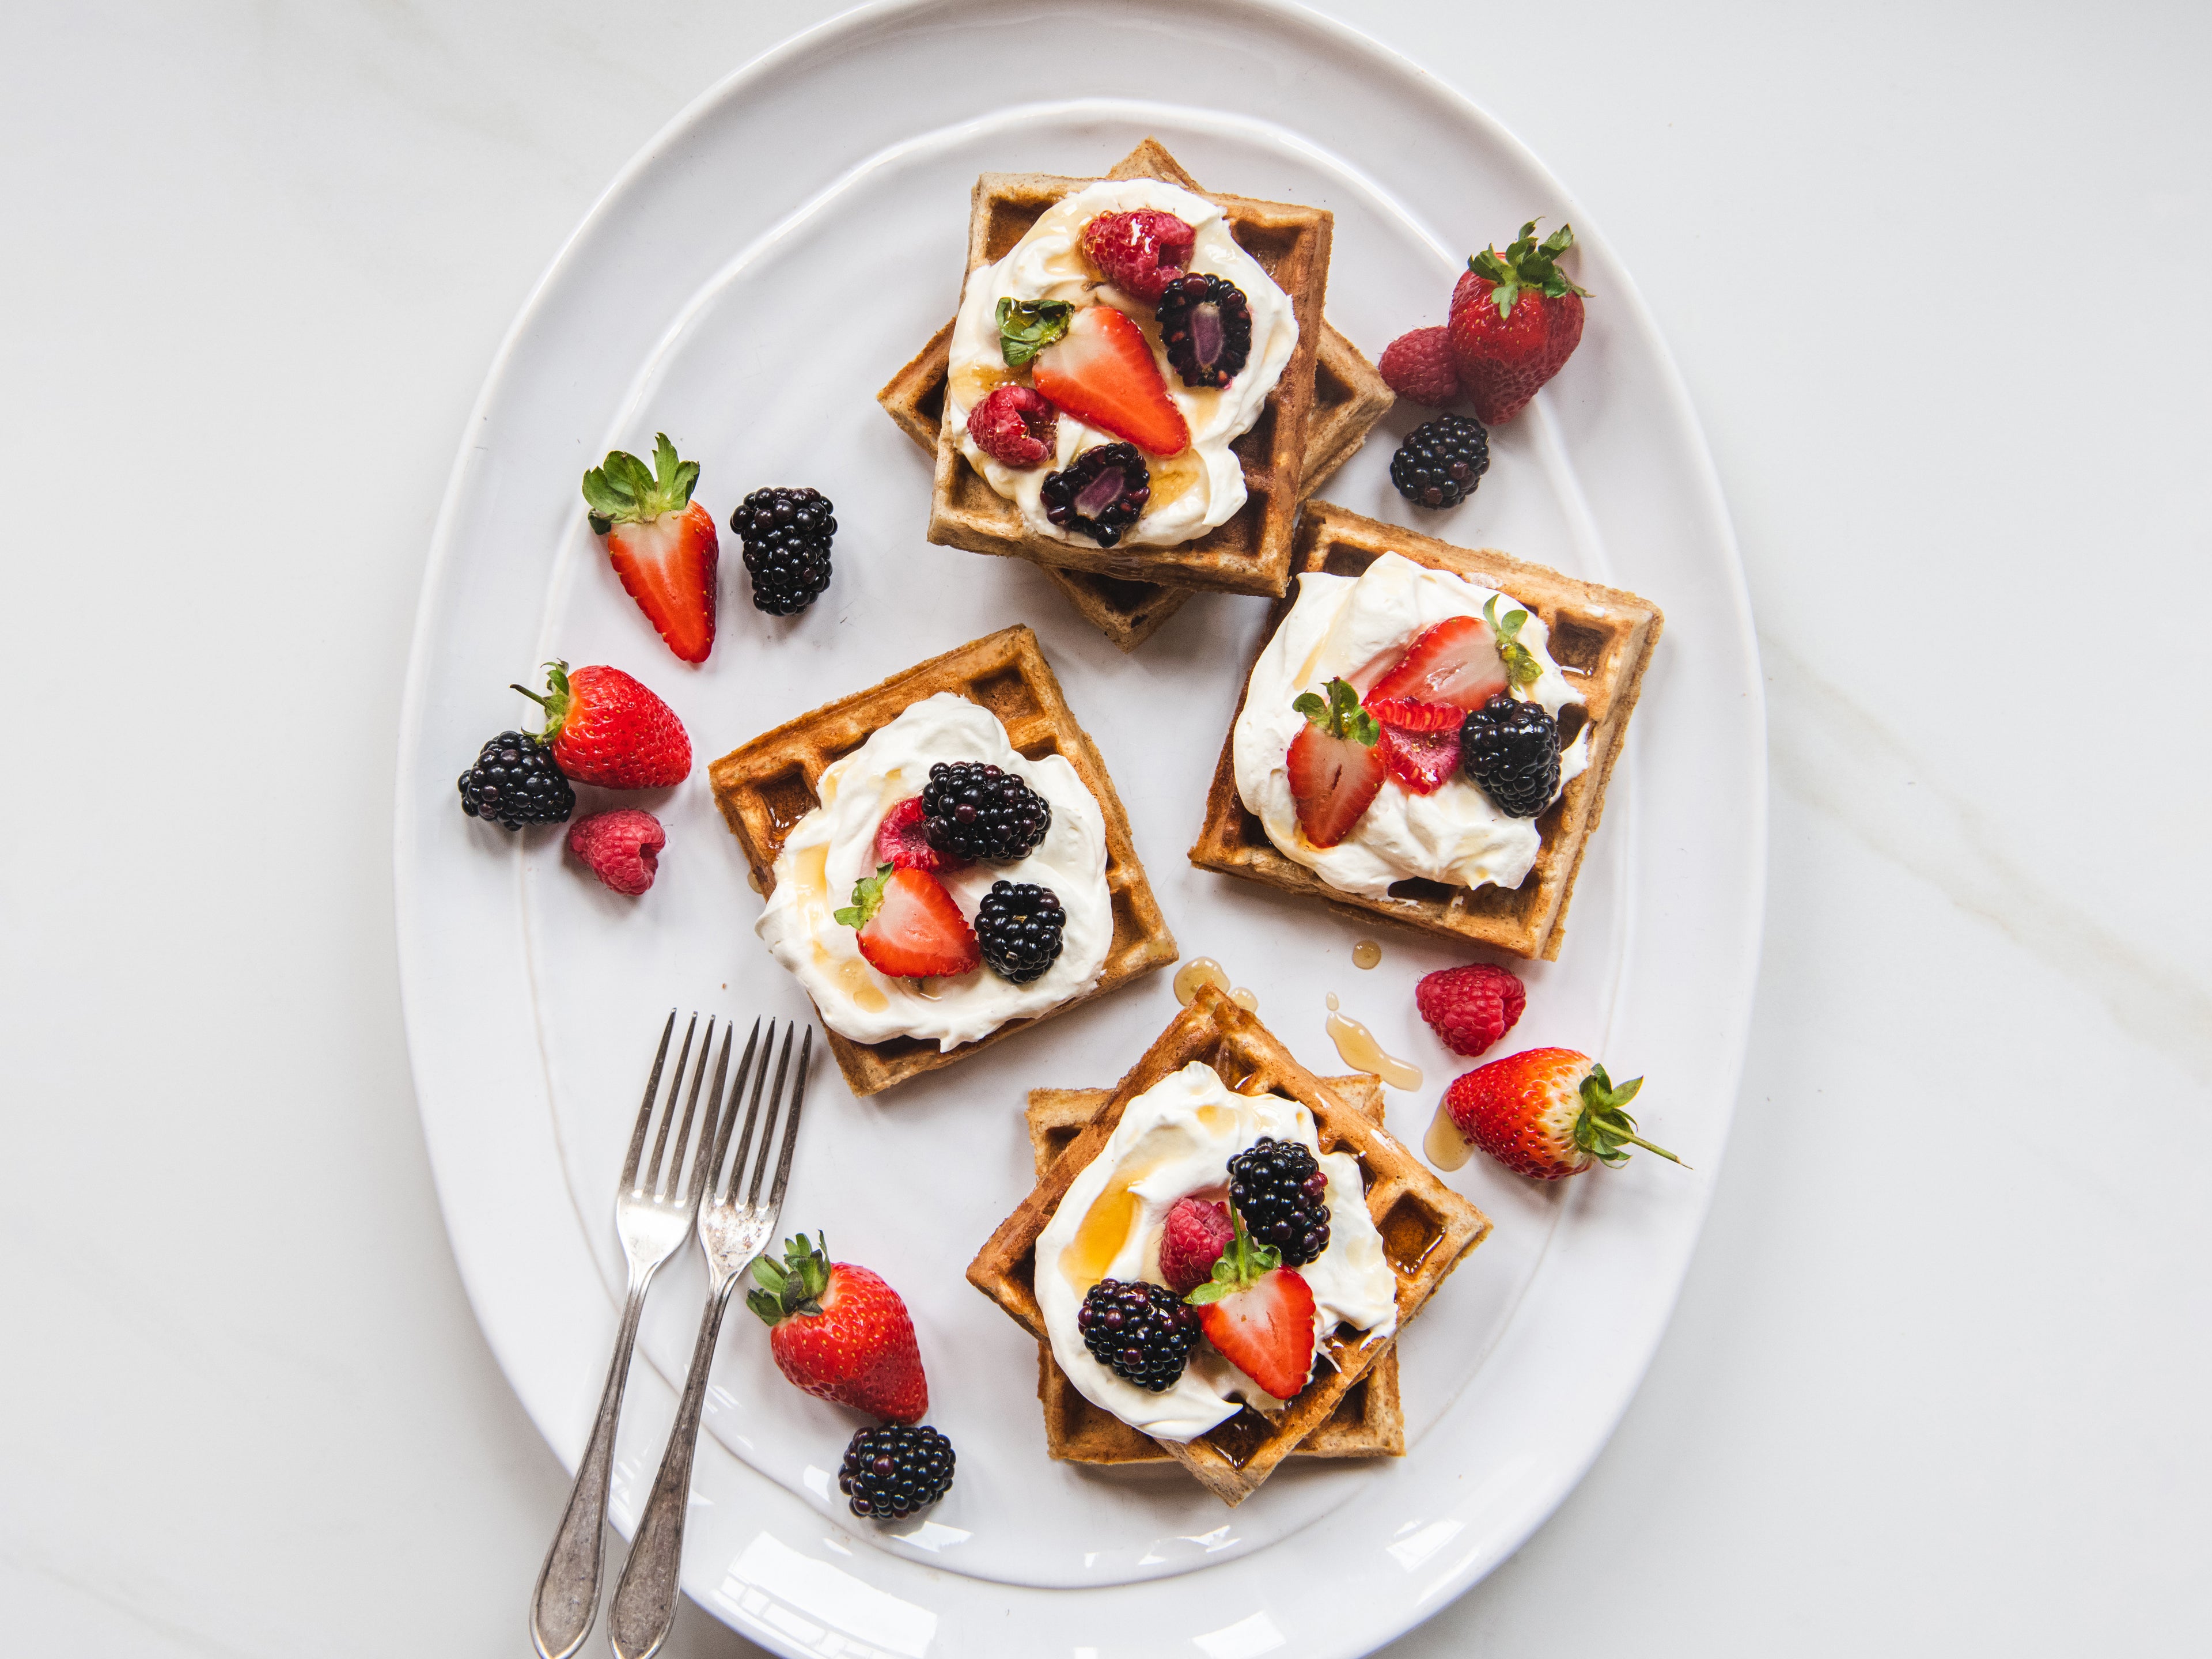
(1441, 461)
(1142, 1333)
(977, 811)
(1018, 925)
(1100, 493)
(1281, 1193)
(890, 1472)
(1512, 749)
(1206, 323)
(786, 535)
(516, 782)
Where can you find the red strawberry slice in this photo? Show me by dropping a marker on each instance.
(902, 839)
(1266, 1330)
(662, 543)
(1103, 373)
(1411, 715)
(909, 926)
(1455, 662)
(1334, 772)
(1423, 761)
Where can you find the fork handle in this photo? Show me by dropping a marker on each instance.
(644, 1606)
(568, 1594)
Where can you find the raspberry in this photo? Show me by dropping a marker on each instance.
(902, 841)
(1015, 425)
(1418, 366)
(1192, 1239)
(1470, 1008)
(1141, 251)
(621, 848)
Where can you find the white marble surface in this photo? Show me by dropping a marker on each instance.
(1937, 1381)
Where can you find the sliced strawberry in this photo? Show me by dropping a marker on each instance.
(1258, 1314)
(909, 928)
(902, 839)
(1335, 771)
(1423, 761)
(1409, 715)
(1455, 662)
(1103, 372)
(661, 541)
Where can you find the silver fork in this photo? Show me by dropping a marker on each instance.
(651, 1215)
(732, 1231)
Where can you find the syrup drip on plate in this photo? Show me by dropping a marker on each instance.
(1444, 1144)
(1359, 1050)
(1205, 970)
(1366, 953)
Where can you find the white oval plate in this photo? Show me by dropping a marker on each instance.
(745, 286)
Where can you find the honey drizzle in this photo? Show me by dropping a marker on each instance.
(1444, 1146)
(1357, 1045)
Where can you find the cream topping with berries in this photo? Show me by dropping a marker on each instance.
(1192, 492)
(1175, 1140)
(1356, 629)
(834, 846)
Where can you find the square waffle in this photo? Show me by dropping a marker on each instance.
(1426, 1226)
(1602, 638)
(1251, 552)
(765, 787)
(1367, 1421)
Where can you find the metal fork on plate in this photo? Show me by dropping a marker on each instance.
(732, 1230)
(653, 1211)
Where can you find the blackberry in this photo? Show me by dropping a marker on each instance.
(890, 1472)
(1100, 493)
(1205, 323)
(1018, 925)
(1142, 1333)
(1441, 461)
(1512, 749)
(516, 782)
(973, 810)
(1281, 1191)
(786, 535)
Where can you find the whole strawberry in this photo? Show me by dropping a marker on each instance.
(605, 728)
(1547, 1114)
(840, 1333)
(1516, 318)
(1470, 1008)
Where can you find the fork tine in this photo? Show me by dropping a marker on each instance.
(690, 1111)
(645, 1110)
(791, 1125)
(694, 1175)
(752, 1117)
(768, 1133)
(729, 1121)
(651, 1182)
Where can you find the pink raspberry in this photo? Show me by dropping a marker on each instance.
(1141, 251)
(1192, 1240)
(1470, 1008)
(622, 848)
(902, 839)
(1418, 366)
(1014, 424)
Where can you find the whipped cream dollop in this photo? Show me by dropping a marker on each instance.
(834, 846)
(1175, 1140)
(1355, 628)
(1192, 492)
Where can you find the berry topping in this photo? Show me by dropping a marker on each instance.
(1516, 321)
(1279, 1190)
(1259, 1315)
(1441, 461)
(787, 534)
(1335, 771)
(1418, 366)
(1470, 1008)
(902, 839)
(1014, 425)
(1028, 326)
(908, 927)
(1547, 1114)
(1142, 1333)
(1192, 1239)
(891, 1472)
(978, 811)
(660, 542)
(605, 728)
(621, 848)
(1100, 494)
(1454, 662)
(838, 1332)
(1423, 761)
(1018, 926)
(1140, 251)
(516, 782)
(1512, 749)
(1206, 323)
(1410, 715)
(1103, 373)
